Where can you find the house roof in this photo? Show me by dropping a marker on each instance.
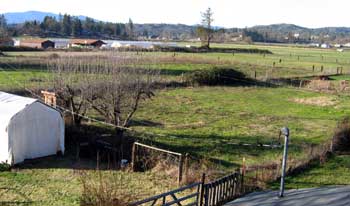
(11, 104)
(34, 40)
(5, 40)
(85, 41)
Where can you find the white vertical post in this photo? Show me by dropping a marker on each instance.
(285, 132)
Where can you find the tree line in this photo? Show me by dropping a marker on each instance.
(68, 26)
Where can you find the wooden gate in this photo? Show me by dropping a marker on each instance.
(174, 197)
(222, 190)
(214, 193)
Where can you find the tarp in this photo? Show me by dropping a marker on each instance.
(28, 129)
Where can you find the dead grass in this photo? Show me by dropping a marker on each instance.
(317, 101)
(341, 138)
(189, 125)
(109, 189)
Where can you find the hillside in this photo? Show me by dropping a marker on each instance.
(21, 17)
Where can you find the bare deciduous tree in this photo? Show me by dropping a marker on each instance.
(69, 85)
(113, 84)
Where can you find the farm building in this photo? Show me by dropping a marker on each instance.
(37, 43)
(28, 129)
(6, 42)
(86, 43)
(325, 46)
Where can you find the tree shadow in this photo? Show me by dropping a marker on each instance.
(145, 123)
(221, 150)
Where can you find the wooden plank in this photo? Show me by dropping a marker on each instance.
(219, 191)
(154, 202)
(179, 200)
(158, 149)
(214, 194)
(176, 200)
(236, 185)
(211, 193)
(202, 190)
(165, 194)
(206, 195)
(231, 187)
(224, 196)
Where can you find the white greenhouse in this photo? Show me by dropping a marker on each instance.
(28, 129)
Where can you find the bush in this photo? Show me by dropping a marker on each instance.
(341, 138)
(210, 50)
(4, 167)
(109, 189)
(18, 49)
(216, 76)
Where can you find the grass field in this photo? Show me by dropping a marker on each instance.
(295, 61)
(334, 172)
(204, 121)
(208, 122)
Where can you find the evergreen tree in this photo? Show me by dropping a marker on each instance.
(3, 25)
(66, 25)
(89, 26)
(130, 29)
(77, 28)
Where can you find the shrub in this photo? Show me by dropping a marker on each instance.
(109, 189)
(4, 167)
(17, 49)
(341, 138)
(216, 76)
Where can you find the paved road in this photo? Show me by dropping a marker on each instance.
(325, 196)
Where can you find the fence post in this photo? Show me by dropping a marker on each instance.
(133, 157)
(285, 132)
(98, 160)
(242, 182)
(78, 152)
(181, 161)
(187, 164)
(202, 190)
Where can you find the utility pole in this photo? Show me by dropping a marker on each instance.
(285, 132)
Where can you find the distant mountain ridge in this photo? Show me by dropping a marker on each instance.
(286, 28)
(21, 17)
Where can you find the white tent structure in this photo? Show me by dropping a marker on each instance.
(28, 129)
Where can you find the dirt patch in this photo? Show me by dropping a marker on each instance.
(189, 125)
(317, 101)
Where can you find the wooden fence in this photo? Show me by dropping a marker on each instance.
(183, 163)
(214, 193)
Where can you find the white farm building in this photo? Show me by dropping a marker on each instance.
(28, 129)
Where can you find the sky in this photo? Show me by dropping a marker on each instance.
(227, 13)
